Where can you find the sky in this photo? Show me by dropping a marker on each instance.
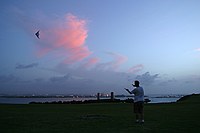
(90, 46)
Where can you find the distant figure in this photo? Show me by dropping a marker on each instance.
(38, 34)
(138, 92)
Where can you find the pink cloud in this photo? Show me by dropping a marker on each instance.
(72, 33)
(77, 54)
(66, 35)
(135, 69)
(91, 62)
(117, 61)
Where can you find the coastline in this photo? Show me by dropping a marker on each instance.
(85, 99)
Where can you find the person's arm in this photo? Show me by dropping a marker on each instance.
(128, 90)
(134, 91)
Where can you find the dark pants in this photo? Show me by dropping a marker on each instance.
(139, 107)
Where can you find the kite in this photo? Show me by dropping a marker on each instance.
(38, 34)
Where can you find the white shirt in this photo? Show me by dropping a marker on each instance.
(138, 94)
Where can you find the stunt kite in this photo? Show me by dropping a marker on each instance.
(38, 34)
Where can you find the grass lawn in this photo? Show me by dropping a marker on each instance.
(181, 117)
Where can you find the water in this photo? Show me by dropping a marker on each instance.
(163, 100)
(28, 100)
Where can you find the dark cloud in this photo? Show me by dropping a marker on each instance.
(11, 79)
(20, 66)
(147, 78)
(39, 80)
(87, 82)
(7, 78)
(60, 78)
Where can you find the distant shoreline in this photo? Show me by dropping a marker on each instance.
(82, 99)
(91, 96)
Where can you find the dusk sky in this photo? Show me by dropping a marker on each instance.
(90, 46)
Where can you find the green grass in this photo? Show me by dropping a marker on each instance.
(181, 117)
